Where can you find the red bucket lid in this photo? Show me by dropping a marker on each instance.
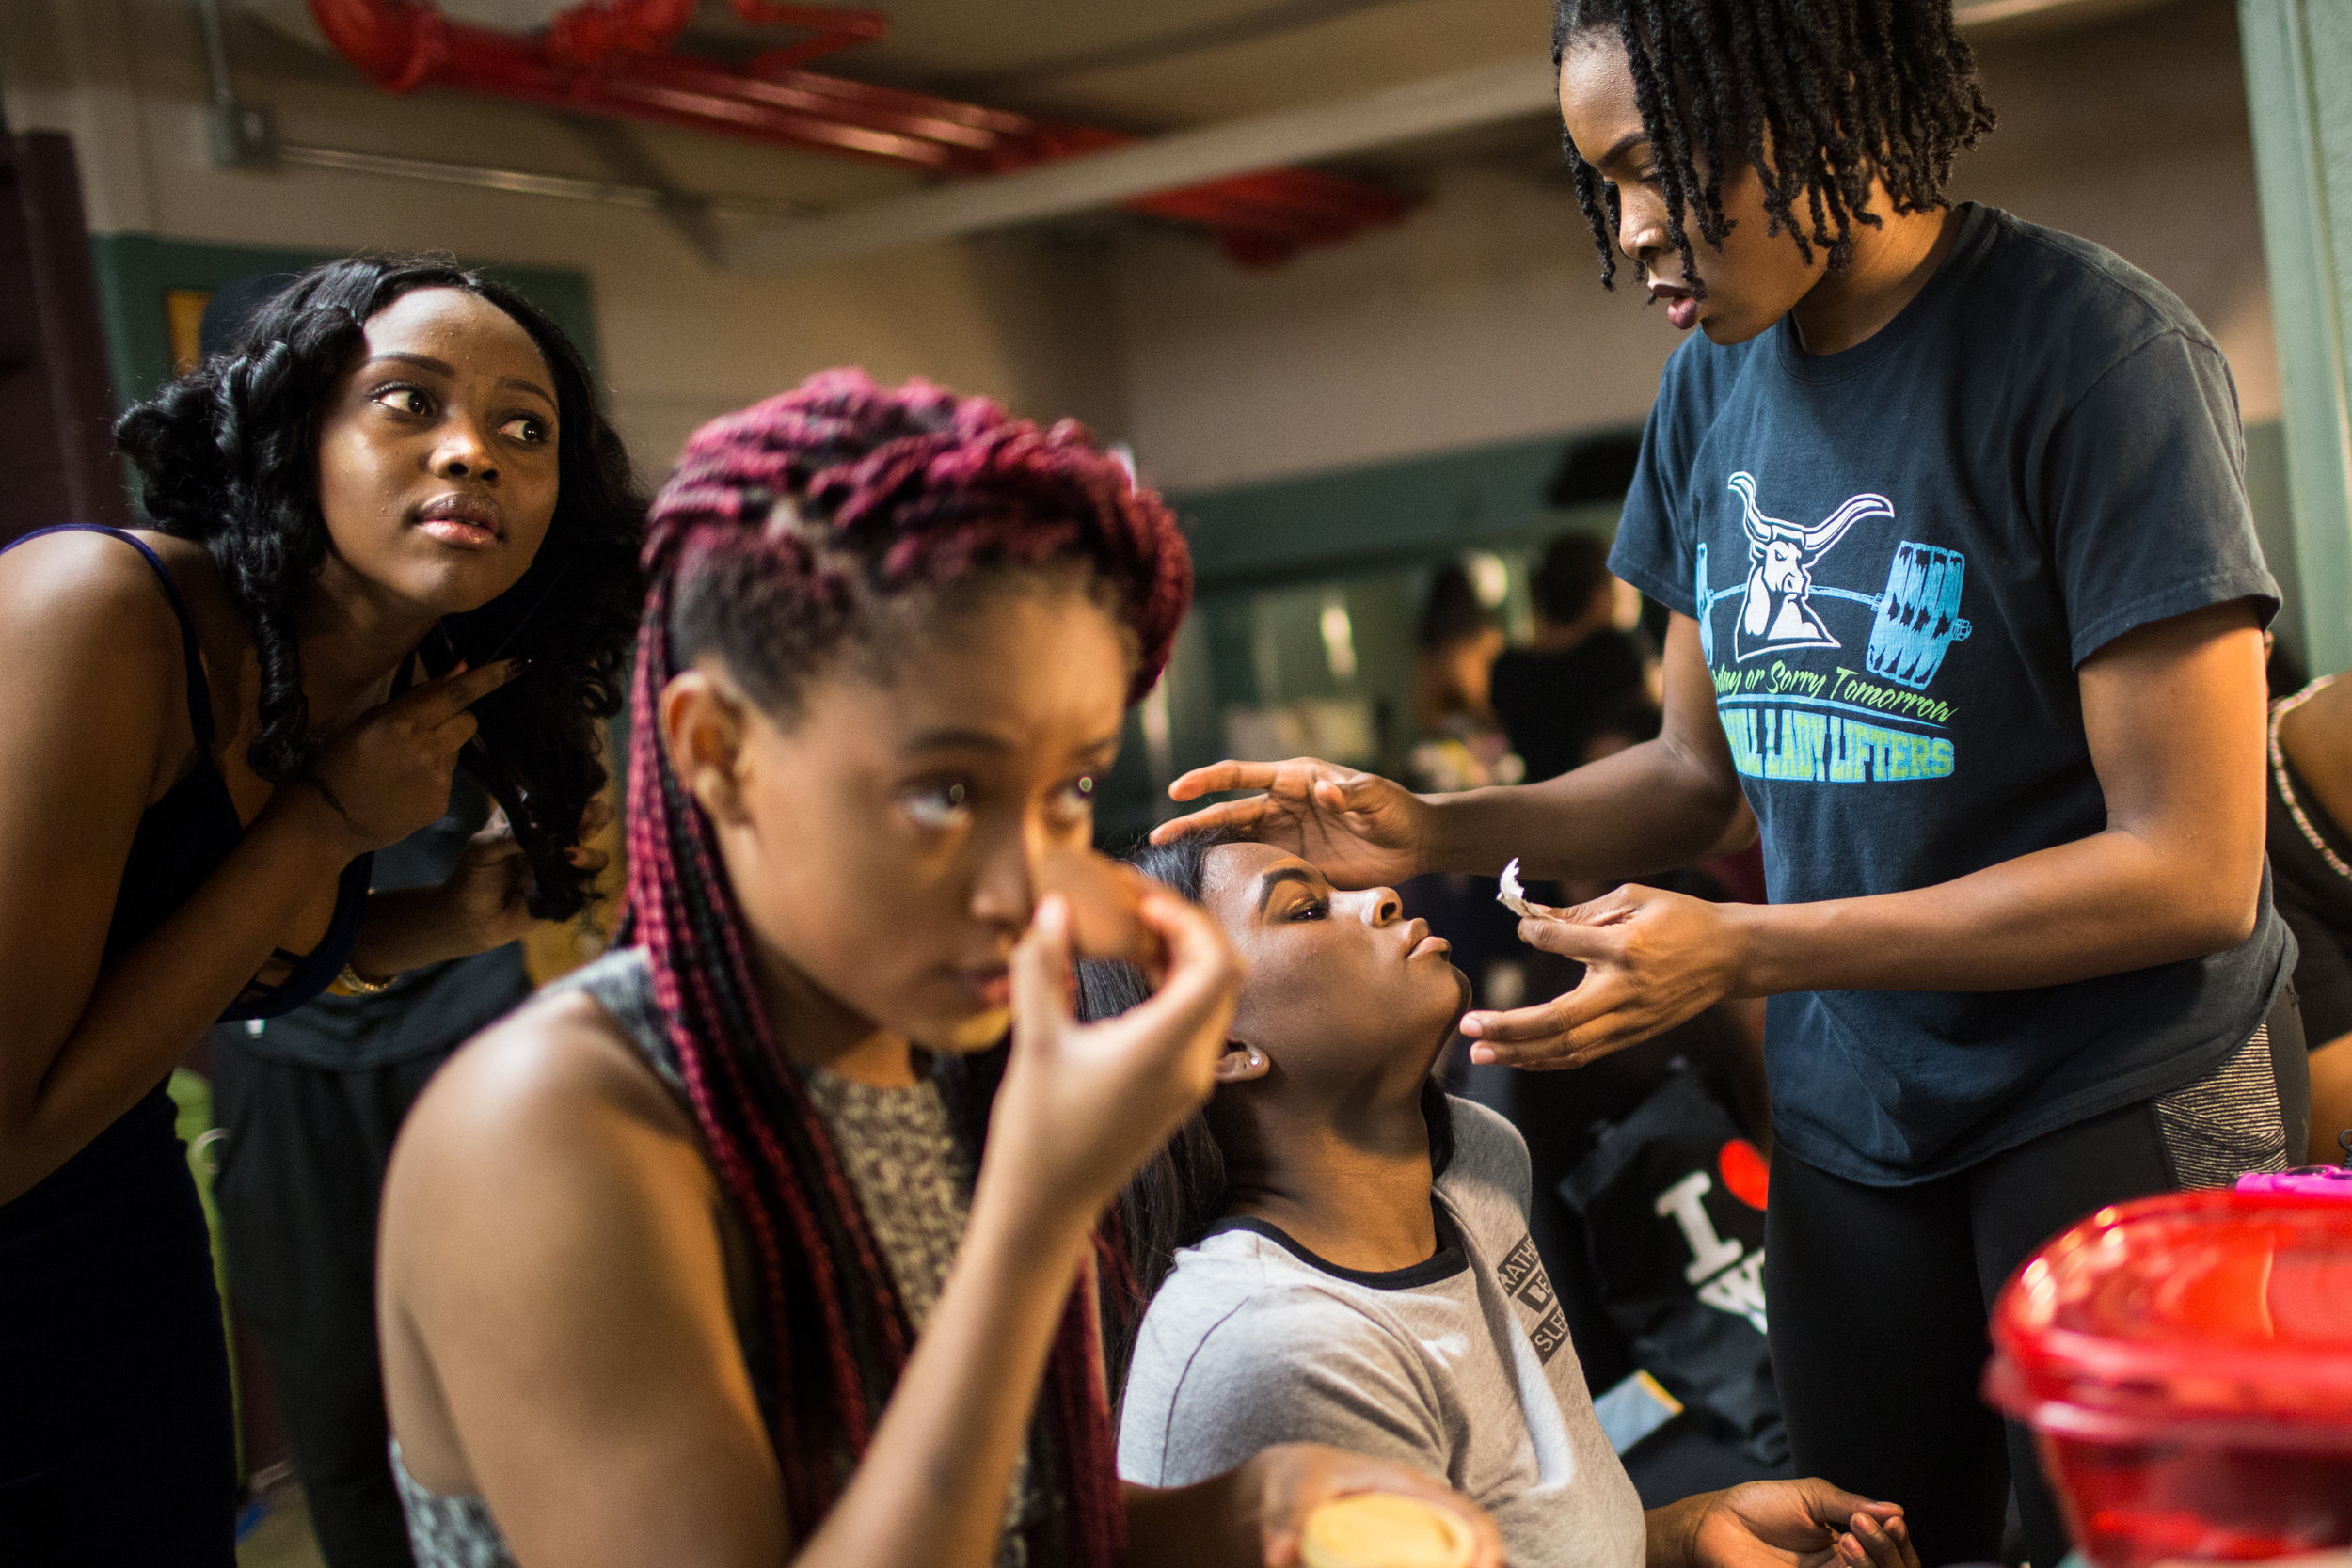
(2193, 1309)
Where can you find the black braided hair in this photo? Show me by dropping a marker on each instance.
(227, 455)
(1819, 96)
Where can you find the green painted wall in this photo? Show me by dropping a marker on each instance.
(135, 270)
(2299, 75)
(1383, 514)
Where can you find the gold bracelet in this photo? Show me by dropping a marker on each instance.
(359, 985)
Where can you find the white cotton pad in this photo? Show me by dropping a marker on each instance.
(1512, 896)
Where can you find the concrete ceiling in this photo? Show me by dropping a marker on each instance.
(1169, 65)
(1177, 64)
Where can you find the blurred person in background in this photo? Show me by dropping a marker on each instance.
(1461, 745)
(1559, 694)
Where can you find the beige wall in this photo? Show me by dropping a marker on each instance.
(1480, 319)
(1016, 317)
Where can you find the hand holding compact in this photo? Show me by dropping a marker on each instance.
(1083, 1105)
(1651, 960)
(1282, 1484)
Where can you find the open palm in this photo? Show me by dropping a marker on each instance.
(1359, 829)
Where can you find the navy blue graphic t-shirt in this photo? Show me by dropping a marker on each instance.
(1896, 556)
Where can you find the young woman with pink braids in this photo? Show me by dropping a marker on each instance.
(751, 1243)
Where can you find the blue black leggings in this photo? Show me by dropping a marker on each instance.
(1879, 1294)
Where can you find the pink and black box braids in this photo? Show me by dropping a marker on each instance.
(813, 506)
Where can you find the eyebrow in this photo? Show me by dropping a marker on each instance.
(1276, 878)
(975, 740)
(517, 384)
(442, 367)
(983, 740)
(422, 362)
(1624, 144)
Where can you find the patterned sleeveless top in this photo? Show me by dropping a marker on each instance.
(914, 1184)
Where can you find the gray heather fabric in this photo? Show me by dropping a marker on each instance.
(2228, 1122)
(1460, 1367)
(912, 1185)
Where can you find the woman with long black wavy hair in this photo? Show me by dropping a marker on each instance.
(393, 533)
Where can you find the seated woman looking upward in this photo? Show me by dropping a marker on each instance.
(1336, 1250)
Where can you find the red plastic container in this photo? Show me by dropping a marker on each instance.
(2186, 1363)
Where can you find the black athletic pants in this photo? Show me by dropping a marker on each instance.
(1879, 1300)
(301, 1170)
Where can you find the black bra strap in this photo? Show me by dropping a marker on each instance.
(199, 694)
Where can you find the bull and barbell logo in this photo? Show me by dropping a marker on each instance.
(1914, 620)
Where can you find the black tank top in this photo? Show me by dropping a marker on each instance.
(183, 838)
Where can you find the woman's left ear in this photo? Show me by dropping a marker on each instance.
(1241, 1063)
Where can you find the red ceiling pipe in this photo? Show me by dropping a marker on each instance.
(615, 57)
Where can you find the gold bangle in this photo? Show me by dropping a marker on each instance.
(359, 985)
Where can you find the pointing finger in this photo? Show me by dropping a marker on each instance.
(1228, 816)
(436, 702)
(1221, 776)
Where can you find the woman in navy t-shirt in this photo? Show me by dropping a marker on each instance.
(1949, 512)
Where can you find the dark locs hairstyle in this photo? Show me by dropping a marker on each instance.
(1173, 1199)
(1819, 96)
(815, 527)
(227, 455)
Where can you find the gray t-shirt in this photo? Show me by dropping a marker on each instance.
(1460, 1367)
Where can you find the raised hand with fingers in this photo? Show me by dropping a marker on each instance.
(1651, 960)
(1359, 830)
(1083, 1105)
(387, 772)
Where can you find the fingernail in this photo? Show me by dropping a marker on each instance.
(1481, 1055)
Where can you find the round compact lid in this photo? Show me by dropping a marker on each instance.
(2190, 1307)
(1384, 1530)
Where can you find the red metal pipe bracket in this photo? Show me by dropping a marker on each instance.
(615, 57)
